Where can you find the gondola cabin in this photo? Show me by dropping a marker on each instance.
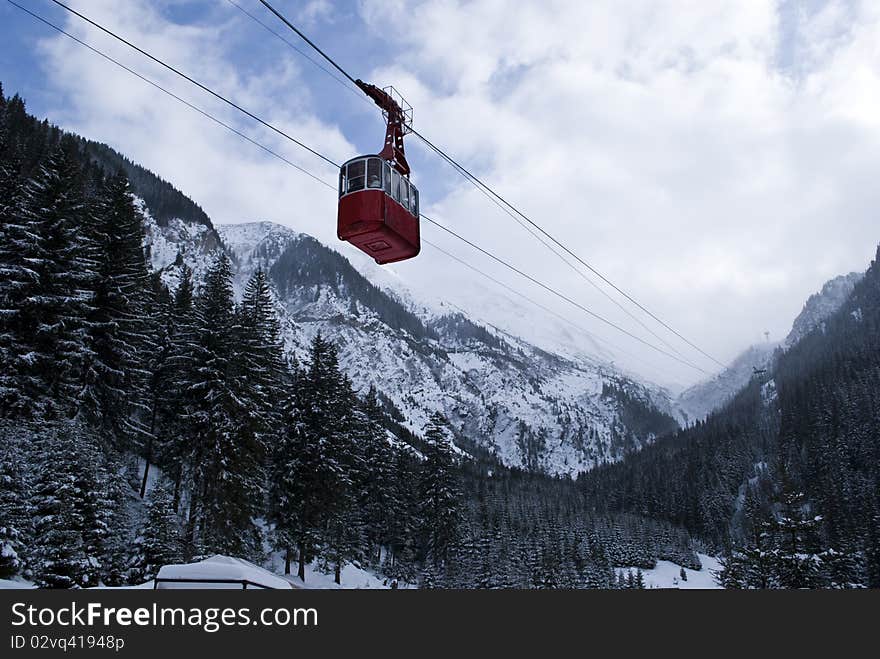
(378, 210)
(378, 205)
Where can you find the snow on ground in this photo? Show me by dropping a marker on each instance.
(352, 577)
(668, 575)
(15, 584)
(665, 575)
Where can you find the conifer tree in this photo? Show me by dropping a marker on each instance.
(798, 564)
(378, 501)
(15, 504)
(68, 508)
(639, 580)
(116, 518)
(403, 518)
(159, 541)
(226, 456)
(345, 522)
(261, 349)
(314, 465)
(16, 274)
(439, 494)
(121, 329)
(177, 398)
(161, 378)
(44, 298)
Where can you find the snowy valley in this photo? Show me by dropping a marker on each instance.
(526, 406)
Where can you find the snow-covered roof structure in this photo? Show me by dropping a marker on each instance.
(218, 572)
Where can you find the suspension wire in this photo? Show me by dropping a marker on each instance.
(307, 40)
(561, 296)
(537, 304)
(357, 93)
(486, 194)
(331, 186)
(194, 82)
(162, 89)
(571, 265)
(477, 181)
(481, 185)
(455, 165)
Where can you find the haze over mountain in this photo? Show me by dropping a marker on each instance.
(705, 397)
(527, 406)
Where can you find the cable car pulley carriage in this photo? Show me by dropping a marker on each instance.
(378, 204)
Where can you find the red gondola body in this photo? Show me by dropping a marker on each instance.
(378, 206)
(376, 224)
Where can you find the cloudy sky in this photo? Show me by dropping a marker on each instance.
(717, 160)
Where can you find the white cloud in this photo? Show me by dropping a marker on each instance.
(233, 180)
(664, 141)
(315, 11)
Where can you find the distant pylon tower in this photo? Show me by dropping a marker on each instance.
(766, 335)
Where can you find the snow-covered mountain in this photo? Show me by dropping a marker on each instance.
(821, 305)
(528, 407)
(698, 401)
(704, 397)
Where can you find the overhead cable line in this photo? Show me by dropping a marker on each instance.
(331, 186)
(538, 305)
(574, 268)
(194, 82)
(166, 91)
(561, 296)
(357, 93)
(308, 41)
(477, 181)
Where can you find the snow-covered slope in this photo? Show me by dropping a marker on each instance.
(821, 305)
(175, 243)
(668, 575)
(698, 401)
(704, 397)
(527, 406)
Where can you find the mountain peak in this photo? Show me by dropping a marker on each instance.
(821, 305)
(256, 243)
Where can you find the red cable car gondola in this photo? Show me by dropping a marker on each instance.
(378, 206)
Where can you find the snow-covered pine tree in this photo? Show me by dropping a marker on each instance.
(377, 500)
(161, 377)
(15, 502)
(312, 477)
(45, 297)
(260, 345)
(226, 457)
(116, 517)
(439, 494)
(16, 275)
(177, 399)
(159, 541)
(283, 465)
(403, 518)
(639, 580)
(69, 509)
(121, 325)
(345, 540)
(797, 560)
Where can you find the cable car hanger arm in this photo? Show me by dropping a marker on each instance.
(399, 124)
